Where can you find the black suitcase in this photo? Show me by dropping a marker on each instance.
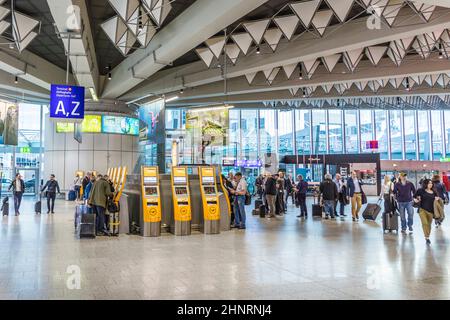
(371, 211)
(38, 207)
(255, 212)
(390, 222)
(258, 203)
(5, 206)
(87, 226)
(317, 210)
(262, 211)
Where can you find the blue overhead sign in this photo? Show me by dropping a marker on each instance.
(67, 102)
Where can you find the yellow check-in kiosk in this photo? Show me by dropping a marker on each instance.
(181, 201)
(151, 202)
(210, 200)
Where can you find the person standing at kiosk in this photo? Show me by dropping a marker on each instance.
(239, 200)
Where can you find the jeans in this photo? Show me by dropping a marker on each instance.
(51, 196)
(77, 191)
(302, 203)
(341, 208)
(239, 210)
(328, 206)
(271, 198)
(17, 201)
(100, 219)
(408, 206)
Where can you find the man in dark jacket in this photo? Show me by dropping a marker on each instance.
(330, 194)
(98, 198)
(52, 187)
(301, 189)
(270, 190)
(18, 188)
(404, 192)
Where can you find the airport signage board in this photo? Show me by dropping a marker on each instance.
(248, 163)
(67, 103)
(445, 159)
(120, 125)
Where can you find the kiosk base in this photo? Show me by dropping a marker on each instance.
(182, 228)
(151, 229)
(211, 226)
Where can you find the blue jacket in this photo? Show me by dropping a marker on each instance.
(351, 187)
(87, 191)
(302, 187)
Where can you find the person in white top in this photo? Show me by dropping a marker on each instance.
(388, 195)
(239, 200)
(77, 182)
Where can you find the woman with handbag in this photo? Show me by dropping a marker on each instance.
(442, 193)
(424, 199)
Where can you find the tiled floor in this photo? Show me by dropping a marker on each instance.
(283, 259)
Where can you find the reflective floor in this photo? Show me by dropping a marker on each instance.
(286, 258)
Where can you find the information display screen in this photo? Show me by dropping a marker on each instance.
(64, 127)
(209, 190)
(179, 180)
(92, 124)
(120, 125)
(208, 180)
(151, 191)
(149, 180)
(181, 191)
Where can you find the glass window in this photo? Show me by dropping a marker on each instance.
(447, 131)
(396, 134)
(302, 131)
(267, 129)
(351, 131)
(366, 127)
(285, 133)
(409, 120)
(319, 131)
(335, 130)
(381, 134)
(172, 119)
(233, 134)
(249, 125)
(436, 134)
(424, 138)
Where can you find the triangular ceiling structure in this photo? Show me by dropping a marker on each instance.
(114, 28)
(289, 69)
(250, 77)
(391, 11)
(270, 74)
(22, 25)
(126, 9)
(4, 12)
(287, 24)
(375, 54)
(294, 91)
(243, 40)
(331, 61)
(160, 11)
(216, 44)
(125, 43)
(305, 10)
(321, 20)
(311, 66)
(3, 26)
(257, 29)
(352, 58)
(232, 50)
(273, 37)
(147, 33)
(206, 55)
(341, 8)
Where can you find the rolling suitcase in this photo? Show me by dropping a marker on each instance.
(72, 195)
(390, 222)
(372, 210)
(262, 211)
(5, 206)
(87, 226)
(255, 212)
(317, 210)
(258, 203)
(38, 207)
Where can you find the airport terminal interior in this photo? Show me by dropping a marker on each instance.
(224, 150)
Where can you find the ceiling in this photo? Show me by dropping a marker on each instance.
(333, 54)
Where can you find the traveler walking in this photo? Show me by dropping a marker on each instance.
(329, 191)
(239, 200)
(270, 190)
(387, 194)
(355, 192)
(98, 198)
(300, 191)
(281, 193)
(342, 195)
(77, 183)
(442, 193)
(425, 198)
(18, 188)
(52, 187)
(404, 191)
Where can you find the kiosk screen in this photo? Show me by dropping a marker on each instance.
(151, 191)
(208, 180)
(210, 190)
(179, 180)
(149, 180)
(181, 191)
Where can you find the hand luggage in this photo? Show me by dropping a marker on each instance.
(38, 207)
(390, 222)
(255, 212)
(5, 206)
(317, 210)
(87, 226)
(72, 195)
(80, 209)
(258, 203)
(371, 211)
(262, 211)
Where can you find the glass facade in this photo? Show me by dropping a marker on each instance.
(252, 133)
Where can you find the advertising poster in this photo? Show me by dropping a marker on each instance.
(9, 123)
(120, 125)
(212, 124)
(152, 123)
(92, 124)
(64, 127)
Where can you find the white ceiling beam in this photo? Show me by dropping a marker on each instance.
(440, 3)
(200, 21)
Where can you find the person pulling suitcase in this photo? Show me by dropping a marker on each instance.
(52, 187)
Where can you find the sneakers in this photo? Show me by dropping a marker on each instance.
(327, 217)
(427, 241)
(410, 230)
(403, 231)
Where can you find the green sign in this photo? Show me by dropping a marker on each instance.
(25, 150)
(445, 159)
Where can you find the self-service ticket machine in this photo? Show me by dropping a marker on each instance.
(182, 211)
(210, 200)
(151, 202)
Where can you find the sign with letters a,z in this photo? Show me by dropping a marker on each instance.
(67, 103)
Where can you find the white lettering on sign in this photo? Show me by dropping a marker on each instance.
(60, 108)
(75, 108)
